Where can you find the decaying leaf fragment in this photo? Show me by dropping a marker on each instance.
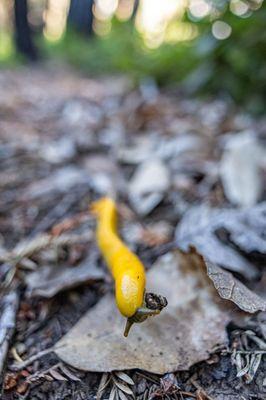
(232, 289)
(201, 227)
(50, 279)
(184, 333)
(227, 286)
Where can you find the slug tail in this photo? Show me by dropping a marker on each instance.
(98, 206)
(101, 205)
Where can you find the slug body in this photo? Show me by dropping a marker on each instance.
(127, 270)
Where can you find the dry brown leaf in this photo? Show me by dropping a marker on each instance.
(186, 331)
(200, 227)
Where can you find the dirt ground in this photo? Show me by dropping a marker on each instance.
(56, 124)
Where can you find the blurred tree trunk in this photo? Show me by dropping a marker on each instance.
(135, 9)
(23, 37)
(80, 16)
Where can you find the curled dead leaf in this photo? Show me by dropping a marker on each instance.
(230, 288)
(227, 286)
(202, 226)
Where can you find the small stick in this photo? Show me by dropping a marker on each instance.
(7, 324)
(198, 387)
(188, 394)
(251, 351)
(30, 360)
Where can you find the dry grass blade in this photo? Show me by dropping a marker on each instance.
(124, 377)
(10, 304)
(8, 279)
(144, 396)
(56, 375)
(200, 391)
(48, 377)
(113, 393)
(244, 370)
(27, 247)
(251, 335)
(149, 377)
(254, 365)
(68, 373)
(30, 360)
(104, 382)
(123, 387)
(151, 391)
(121, 395)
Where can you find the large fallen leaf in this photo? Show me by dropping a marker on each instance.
(184, 333)
(200, 227)
(48, 280)
(240, 169)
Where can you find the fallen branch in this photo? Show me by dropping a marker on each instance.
(10, 304)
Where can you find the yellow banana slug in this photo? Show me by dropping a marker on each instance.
(127, 270)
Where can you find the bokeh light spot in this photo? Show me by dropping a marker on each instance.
(238, 7)
(199, 8)
(221, 30)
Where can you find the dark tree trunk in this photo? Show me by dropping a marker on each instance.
(135, 9)
(80, 16)
(23, 37)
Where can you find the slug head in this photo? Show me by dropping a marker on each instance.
(152, 305)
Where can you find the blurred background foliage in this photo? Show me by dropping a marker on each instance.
(207, 47)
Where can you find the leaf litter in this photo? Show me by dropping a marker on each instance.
(96, 138)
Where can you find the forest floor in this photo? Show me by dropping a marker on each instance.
(65, 140)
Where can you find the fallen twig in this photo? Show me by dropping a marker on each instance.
(10, 304)
(27, 247)
(200, 389)
(250, 352)
(30, 360)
